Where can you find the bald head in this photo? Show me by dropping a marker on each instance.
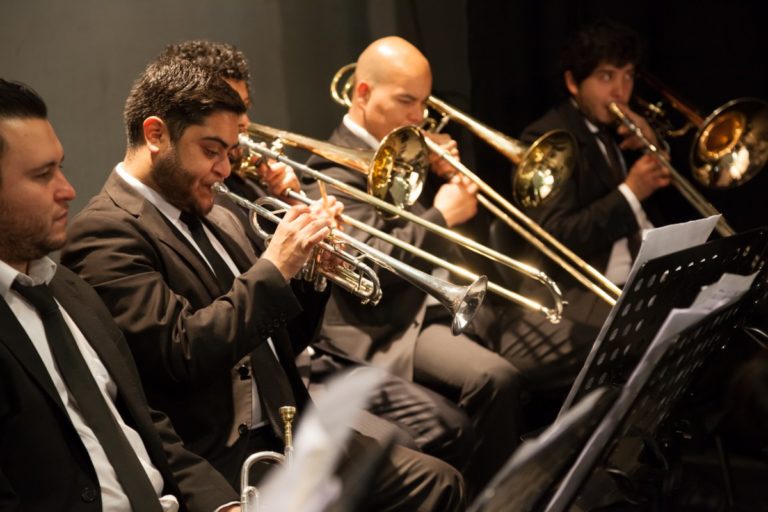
(389, 56)
(392, 82)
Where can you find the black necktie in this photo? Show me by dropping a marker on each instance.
(611, 154)
(223, 274)
(271, 380)
(617, 169)
(81, 384)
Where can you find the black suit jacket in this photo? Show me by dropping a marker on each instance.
(186, 333)
(589, 215)
(384, 335)
(43, 463)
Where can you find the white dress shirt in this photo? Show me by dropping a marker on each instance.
(113, 496)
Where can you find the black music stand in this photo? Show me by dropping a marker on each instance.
(671, 281)
(533, 470)
(655, 385)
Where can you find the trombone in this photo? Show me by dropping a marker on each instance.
(358, 278)
(542, 168)
(685, 188)
(249, 494)
(731, 144)
(268, 134)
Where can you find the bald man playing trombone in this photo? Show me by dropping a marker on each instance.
(407, 333)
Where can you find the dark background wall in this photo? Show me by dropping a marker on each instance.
(495, 59)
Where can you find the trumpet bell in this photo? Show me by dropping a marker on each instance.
(466, 303)
(731, 146)
(544, 168)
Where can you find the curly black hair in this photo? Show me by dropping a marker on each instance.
(223, 58)
(602, 42)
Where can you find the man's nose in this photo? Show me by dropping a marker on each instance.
(64, 191)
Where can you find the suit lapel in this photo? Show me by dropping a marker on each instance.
(588, 143)
(98, 337)
(134, 203)
(235, 251)
(15, 338)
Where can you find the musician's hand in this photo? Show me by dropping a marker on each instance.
(329, 209)
(296, 234)
(278, 178)
(438, 165)
(632, 141)
(457, 200)
(646, 176)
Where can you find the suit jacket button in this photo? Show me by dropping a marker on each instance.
(242, 429)
(88, 495)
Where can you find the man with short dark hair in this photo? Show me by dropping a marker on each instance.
(77, 433)
(602, 208)
(441, 429)
(214, 329)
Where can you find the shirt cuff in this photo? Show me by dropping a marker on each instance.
(222, 507)
(637, 208)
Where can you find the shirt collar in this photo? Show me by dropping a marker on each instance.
(148, 193)
(592, 127)
(360, 132)
(41, 271)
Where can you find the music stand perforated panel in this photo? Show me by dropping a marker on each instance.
(665, 369)
(660, 285)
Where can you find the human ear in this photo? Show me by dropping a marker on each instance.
(155, 133)
(570, 83)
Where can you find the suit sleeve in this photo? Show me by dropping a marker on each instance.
(203, 489)
(169, 335)
(587, 227)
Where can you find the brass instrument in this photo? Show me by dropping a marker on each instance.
(462, 301)
(731, 144)
(542, 168)
(249, 494)
(553, 314)
(691, 195)
(395, 171)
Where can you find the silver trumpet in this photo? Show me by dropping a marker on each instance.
(358, 278)
(249, 494)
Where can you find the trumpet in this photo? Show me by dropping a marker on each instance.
(542, 169)
(553, 314)
(249, 494)
(685, 188)
(462, 301)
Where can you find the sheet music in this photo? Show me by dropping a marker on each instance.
(672, 238)
(727, 290)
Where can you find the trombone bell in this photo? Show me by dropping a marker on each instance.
(544, 168)
(731, 146)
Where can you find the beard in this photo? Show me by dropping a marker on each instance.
(25, 237)
(175, 183)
